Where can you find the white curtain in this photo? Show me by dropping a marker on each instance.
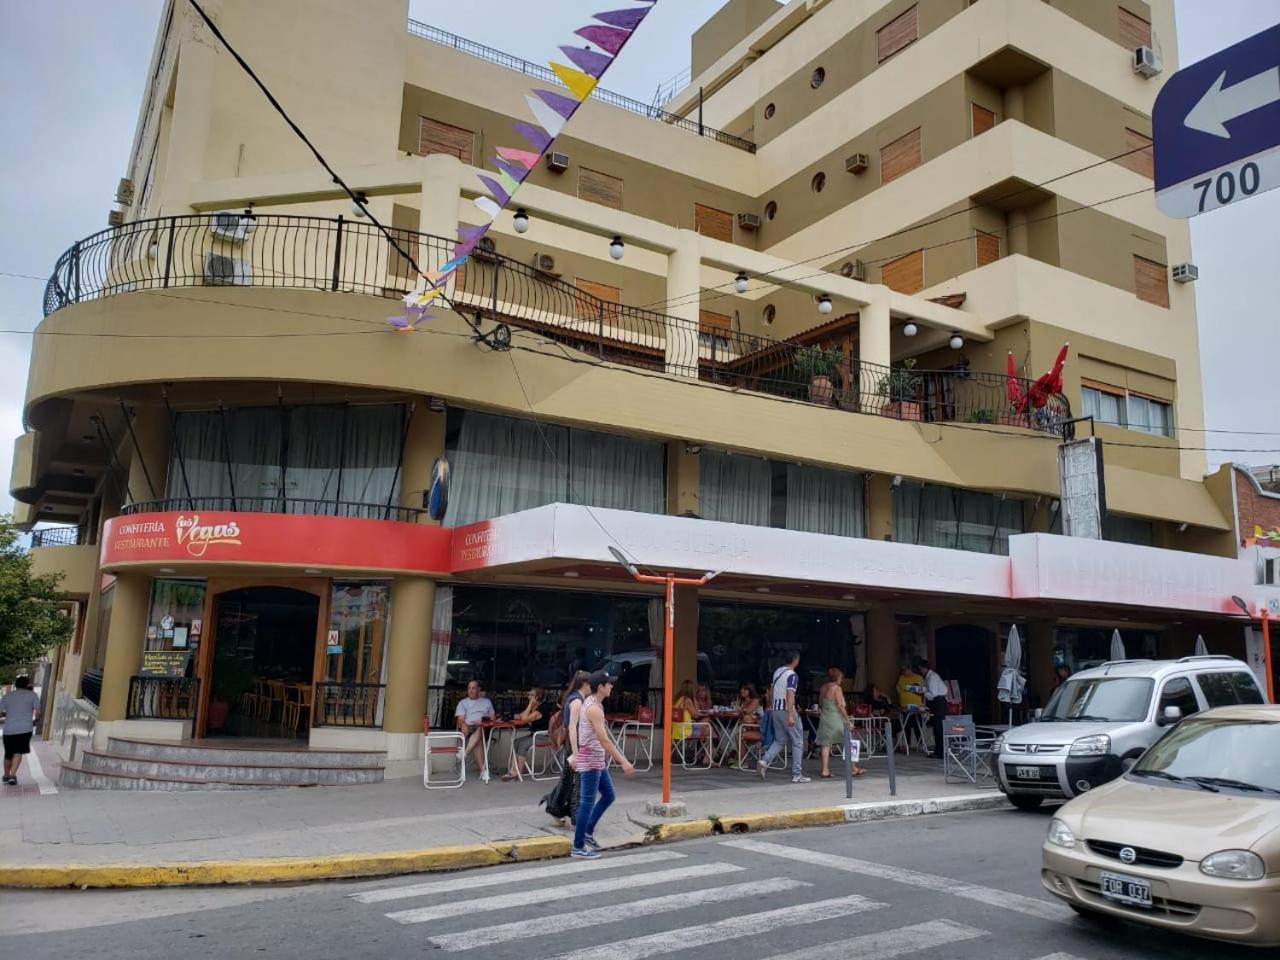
(441, 639)
(824, 501)
(315, 438)
(618, 472)
(252, 442)
(503, 465)
(937, 516)
(735, 489)
(371, 455)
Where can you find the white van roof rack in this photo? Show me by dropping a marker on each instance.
(1211, 656)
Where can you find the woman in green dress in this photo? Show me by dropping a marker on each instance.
(833, 720)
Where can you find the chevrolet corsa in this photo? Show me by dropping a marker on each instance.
(1188, 839)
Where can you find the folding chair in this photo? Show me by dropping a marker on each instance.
(441, 744)
(686, 732)
(965, 758)
(640, 732)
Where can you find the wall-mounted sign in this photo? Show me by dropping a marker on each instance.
(166, 623)
(196, 627)
(334, 644)
(1084, 499)
(165, 663)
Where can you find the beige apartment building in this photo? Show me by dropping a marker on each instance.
(834, 236)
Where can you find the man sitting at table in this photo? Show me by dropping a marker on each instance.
(472, 711)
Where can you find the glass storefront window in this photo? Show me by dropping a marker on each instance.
(176, 617)
(355, 646)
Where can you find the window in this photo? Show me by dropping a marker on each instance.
(735, 489)
(1151, 281)
(1134, 30)
(437, 137)
(791, 496)
(905, 274)
(1120, 529)
(180, 605)
(714, 331)
(901, 156)
(1117, 699)
(1178, 693)
(1143, 161)
(938, 516)
(599, 188)
(819, 76)
(1133, 411)
(820, 500)
(899, 33)
(1150, 416)
(713, 223)
(358, 615)
(1229, 689)
(983, 119)
(819, 182)
(988, 248)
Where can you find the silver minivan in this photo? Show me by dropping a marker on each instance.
(1101, 720)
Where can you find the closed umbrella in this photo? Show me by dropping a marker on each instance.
(1201, 649)
(1011, 686)
(1117, 646)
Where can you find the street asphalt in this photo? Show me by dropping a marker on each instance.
(955, 887)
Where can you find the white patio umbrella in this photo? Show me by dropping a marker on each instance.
(1201, 649)
(1011, 686)
(1117, 647)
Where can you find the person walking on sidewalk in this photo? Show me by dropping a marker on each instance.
(787, 727)
(591, 761)
(833, 720)
(935, 691)
(20, 708)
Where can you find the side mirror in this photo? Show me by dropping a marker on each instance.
(1039, 713)
(1170, 716)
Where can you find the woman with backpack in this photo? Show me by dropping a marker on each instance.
(562, 801)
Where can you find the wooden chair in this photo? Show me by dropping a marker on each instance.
(297, 708)
(275, 695)
(250, 700)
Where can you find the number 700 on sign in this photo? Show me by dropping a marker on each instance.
(1221, 187)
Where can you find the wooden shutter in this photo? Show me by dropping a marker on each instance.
(717, 324)
(900, 156)
(588, 306)
(1134, 31)
(437, 137)
(713, 223)
(983, 119)
(902, 31)
(1143, 162)
(600, 188)
(1151, 281)
(988, 248)
(906, 274)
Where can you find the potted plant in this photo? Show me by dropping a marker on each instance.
(984, 416)
(901, 385)
(820, 368)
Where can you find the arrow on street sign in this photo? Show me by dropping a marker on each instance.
(1216, 128)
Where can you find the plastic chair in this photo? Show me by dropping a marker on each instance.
(444, 743)
(640, 732)
(685, 732)
(551, 767)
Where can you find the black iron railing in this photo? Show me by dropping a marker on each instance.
(339, 704)
(56, 537)
(91, 685)
(351, 256)
(305, 508)
(489, 54)
(162, 698)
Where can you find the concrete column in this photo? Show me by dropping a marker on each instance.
(882, 648)
(683, 473)
(1017, 236)
(408, 657)
(874, 330)
(685, 664)
(125, 635)
(879, 507)
(684, 288)
(424, 444)
(1014, 104)
(438, 217)
(149, 462)
(192, 118)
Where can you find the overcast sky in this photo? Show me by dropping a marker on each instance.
(71, 82)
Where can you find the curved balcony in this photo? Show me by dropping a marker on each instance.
(286, 505)
(338, 255)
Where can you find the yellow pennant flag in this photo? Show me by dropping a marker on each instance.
(580, 83)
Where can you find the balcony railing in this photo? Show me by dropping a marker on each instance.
(341, 704)
(293, 505)
(352, 257)
(541, 73)
(56, 537)
(163, 698)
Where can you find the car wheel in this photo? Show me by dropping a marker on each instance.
(1024, 802)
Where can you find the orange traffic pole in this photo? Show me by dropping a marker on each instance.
(668, 656)
(1266, 656)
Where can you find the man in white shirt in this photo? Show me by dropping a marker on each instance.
(935, 694)
(20, 707)
(787, 727)
(472, 711)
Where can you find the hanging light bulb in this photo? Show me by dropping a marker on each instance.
(617, 248)
(741, 283)
(957, 341)
(357, 205)
(825, 305)
(521, 221)
(909, 329)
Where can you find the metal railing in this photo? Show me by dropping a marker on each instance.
(539, 72)
(162, 698)
(56, 537)
(339, 704)
(351, 256)
(91, 685)
(290, 505)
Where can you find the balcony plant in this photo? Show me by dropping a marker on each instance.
(820, 367)
(901, 385)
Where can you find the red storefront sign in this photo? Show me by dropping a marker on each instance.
(276, 539)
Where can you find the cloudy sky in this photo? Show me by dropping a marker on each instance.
(71, 81)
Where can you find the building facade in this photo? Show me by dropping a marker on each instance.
(838, 237)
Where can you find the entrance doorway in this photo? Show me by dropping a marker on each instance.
(966, 653)
(263, 662)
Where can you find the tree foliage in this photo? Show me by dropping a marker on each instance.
(33, 618)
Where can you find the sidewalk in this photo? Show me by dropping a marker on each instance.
(100, 827)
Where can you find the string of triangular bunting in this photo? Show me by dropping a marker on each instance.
(551, 110)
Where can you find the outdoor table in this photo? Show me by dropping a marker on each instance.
(873, 730)
(724, 729)
(492, 728)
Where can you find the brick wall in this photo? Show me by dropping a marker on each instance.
(1255, 508)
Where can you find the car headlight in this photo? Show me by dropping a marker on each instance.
(1096, 746)
(1234, 865)
(997, 745)
(1060, 834)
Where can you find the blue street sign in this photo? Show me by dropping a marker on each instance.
(1216, 127)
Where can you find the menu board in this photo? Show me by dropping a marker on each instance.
(165, 663)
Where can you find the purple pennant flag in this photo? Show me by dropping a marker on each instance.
(496, 190)
(560, 104)
(626, 19)
(463, 250)
(606, 38)
(588, 61)
(466, 233)
(538, 138)
(515, 172)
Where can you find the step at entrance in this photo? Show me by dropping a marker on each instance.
(199, 765)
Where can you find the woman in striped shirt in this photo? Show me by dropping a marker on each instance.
(590, 760)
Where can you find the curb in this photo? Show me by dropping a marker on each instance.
(392, 863)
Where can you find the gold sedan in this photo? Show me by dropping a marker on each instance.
(1189, 839)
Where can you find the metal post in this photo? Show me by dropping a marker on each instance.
(669, 645)
(342, 454)
(600, 333)
(226, 452)
(337, 253)
(177, 447)
(700, 127)
(404, 442)
(848, 759)
(889, 751)
(493, 297)
(128, 422)
(1266, 655)
(75, 272)
(168, 256)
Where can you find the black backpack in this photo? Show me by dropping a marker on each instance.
(562, 801)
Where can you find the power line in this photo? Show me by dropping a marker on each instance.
(24, 276)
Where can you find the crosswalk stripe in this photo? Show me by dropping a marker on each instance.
(1060, 956)
(733, 928)
(890, 943)
(565, 891)
(669, 903)
(474, 881)
(988, 896)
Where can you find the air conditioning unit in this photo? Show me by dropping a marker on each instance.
(1146, 61)
(558, 162)
(224, 271)
(115, 218)
(545, 263)
(124, 191)
(854, 270)
(231, 225)
(748, 221)
(858, 163)
(1185, 273)
(486, 250)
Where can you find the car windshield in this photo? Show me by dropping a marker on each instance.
(1227, 754)
(1102, 698)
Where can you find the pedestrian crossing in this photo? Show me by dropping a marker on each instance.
(655, 903)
